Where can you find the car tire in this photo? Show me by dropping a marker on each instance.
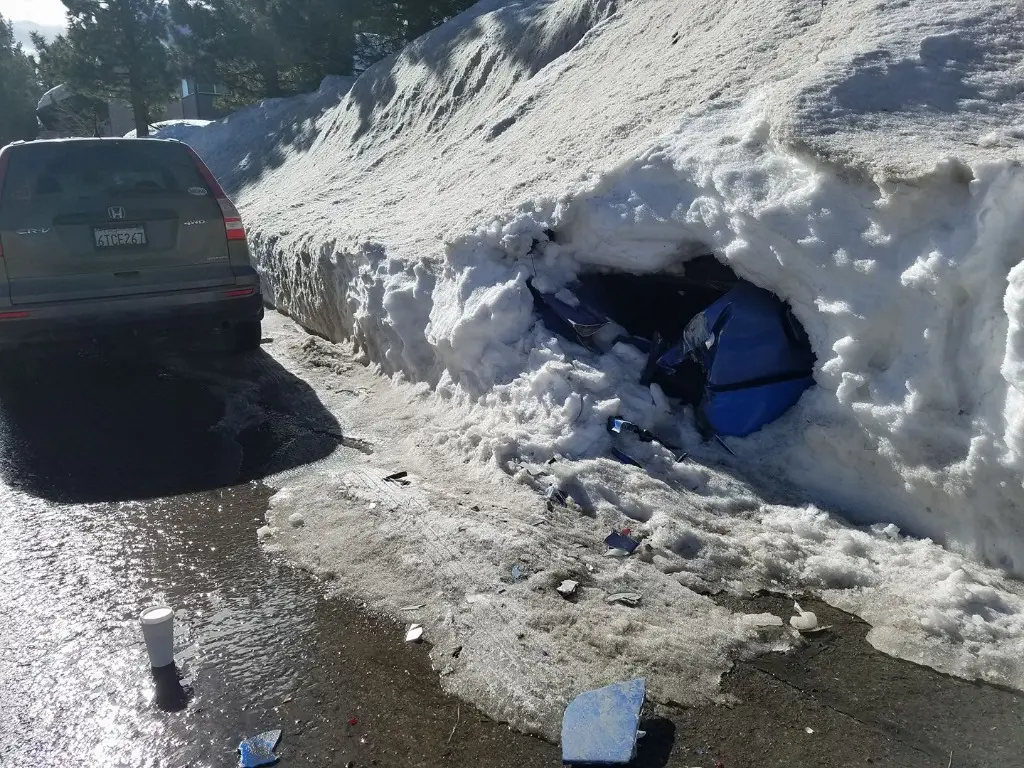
(248, 336)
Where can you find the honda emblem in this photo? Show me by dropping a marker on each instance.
(116, 212)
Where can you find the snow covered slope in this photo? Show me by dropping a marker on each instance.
(857, 158)
(860, 158)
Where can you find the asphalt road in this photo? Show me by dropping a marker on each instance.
(137, 477)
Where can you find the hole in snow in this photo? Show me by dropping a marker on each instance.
(660, 303)
(730, 348)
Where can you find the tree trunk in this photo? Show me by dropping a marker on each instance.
(140, 110)
(341, 48)
(271, 76)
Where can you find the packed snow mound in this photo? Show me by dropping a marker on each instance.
(180, 130)
(860, 159)
(244, 144)
(845, 157)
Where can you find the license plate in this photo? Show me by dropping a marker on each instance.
(120, 237)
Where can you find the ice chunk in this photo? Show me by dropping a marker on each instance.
(259, 750)
(600, 727)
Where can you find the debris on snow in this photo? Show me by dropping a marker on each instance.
(625, 458)
(555, 496)
(617, 426)
(616, 552)
(601, 727)
(804, 621)
(568, 588)
(414, 634)
(631, 599)
(616, 540)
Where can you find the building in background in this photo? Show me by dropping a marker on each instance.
(64, 113)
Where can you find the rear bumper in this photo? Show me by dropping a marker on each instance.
(143, 317)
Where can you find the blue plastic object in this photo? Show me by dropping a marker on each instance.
(578, 323)
(600, 727)
(625, 458)
(259, 750)
(740, 412)
(756, 360)
(616, 540)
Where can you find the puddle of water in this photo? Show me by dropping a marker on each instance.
(124, 489)
(76, 576)
(76, 675)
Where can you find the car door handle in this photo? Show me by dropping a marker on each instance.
(131, 273)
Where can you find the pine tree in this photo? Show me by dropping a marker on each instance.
(117, 50)
(74, 114)
(19, 89)
(320, 36)
(402, 21)
(234, 43)
(268, 48)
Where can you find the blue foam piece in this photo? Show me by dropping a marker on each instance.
(600, 727)
(259, 750)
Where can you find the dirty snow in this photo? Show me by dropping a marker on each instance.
(858, 158)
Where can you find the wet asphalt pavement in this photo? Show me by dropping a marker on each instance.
(132, 479)
(124, 488)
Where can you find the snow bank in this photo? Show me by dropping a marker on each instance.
(833, 155)
(180, 130)
(859, 158)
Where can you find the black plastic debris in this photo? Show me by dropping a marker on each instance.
(396, 477)
(625, 458)
(555, 496)
(617, 426)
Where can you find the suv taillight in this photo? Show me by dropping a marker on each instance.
(5, 158)
(233, 227)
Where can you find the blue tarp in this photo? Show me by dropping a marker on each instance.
(755, 358)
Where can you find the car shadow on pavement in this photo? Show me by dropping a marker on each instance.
(131, 425)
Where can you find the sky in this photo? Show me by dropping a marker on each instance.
(40, 11)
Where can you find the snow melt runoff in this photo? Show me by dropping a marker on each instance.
(859, 159)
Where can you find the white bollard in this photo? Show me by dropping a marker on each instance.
(158, 629)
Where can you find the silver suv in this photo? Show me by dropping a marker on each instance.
(104, 236)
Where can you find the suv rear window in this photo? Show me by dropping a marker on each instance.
(99, 170)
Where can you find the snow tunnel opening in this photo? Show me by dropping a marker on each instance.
(661, 303)
(730, 348)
